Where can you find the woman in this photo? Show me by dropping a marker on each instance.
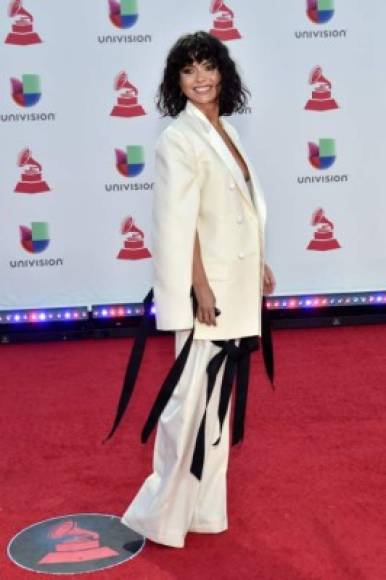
(208, 230)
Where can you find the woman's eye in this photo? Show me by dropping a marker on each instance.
(187, 71)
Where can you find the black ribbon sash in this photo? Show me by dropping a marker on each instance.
(237, 364)
(134, 363)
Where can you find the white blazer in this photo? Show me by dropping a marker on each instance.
(200, 187)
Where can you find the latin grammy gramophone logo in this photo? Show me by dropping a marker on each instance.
(31, 179)
(323, 239)
(22, 32)
(74, 544)
(131, 162)
(322, 155)
(127, 102)
(36, 238)
(134, 244)
(320, 11)
(123, 13)
(321, 99)
(223, 25)
(27, 91)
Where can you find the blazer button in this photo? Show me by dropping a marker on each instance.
(241, 255)
(232, 185)
(240, 219)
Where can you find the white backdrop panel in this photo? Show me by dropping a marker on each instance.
(81, 54)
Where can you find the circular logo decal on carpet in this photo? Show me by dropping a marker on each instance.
(74, 544)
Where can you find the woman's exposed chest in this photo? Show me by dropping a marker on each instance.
(234, 152)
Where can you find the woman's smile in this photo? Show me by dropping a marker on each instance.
(203, 89)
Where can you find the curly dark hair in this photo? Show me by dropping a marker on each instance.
(199, 47)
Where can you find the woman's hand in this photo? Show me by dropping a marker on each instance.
(206, 303)
(269, 281)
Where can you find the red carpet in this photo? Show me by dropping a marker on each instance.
(307, 489)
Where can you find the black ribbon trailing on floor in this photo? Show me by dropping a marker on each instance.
(236, 355)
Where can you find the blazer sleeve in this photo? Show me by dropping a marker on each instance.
(175, 212)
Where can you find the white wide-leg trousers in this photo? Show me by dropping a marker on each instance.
(172, 502)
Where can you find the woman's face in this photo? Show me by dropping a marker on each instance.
(201, 83)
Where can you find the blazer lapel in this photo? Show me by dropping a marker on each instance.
(258, 198)
(218, 144)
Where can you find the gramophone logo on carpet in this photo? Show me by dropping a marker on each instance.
(123, 14)
(27, 91)
(320, 12)
(22, 33)
(223, 24)
(31, 178)
(322, 156)
(321, 97)
(75, 544)
(134, 243)
(127, 104)
(323, 238)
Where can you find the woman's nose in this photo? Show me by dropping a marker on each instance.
(200, 75)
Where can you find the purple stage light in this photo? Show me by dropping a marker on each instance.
(328, 300)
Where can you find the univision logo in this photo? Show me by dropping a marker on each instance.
(123, 13)
(320, 11)
(27, 91)
(322, 155)
(36, 238)
(131, 162)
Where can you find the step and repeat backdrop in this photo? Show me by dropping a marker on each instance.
(78, 124)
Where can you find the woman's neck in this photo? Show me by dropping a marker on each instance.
(211, 112)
